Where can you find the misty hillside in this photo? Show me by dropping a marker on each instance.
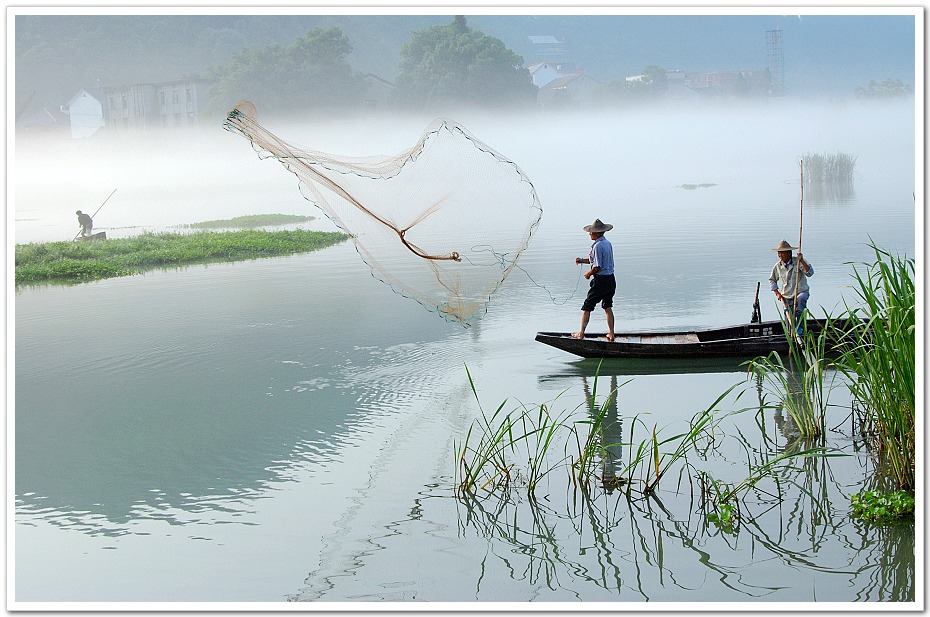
(823, 55)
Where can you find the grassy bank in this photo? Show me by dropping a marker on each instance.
(252, 221)
(92, 260)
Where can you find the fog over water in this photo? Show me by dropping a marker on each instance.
(580, 163)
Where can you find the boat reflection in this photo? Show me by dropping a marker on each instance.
(593, 367)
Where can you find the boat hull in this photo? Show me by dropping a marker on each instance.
(100, 235)
(747, 340)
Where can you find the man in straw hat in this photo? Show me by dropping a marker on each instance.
(603, 283)
(789, 277)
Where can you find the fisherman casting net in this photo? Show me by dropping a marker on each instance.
(443, 223)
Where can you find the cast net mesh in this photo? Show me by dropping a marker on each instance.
(443, 223)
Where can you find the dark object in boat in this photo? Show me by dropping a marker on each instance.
(747, 340)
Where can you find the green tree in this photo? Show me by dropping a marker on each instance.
(888, 89)
(454, 64)
(311, 73)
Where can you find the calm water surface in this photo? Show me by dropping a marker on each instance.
(284, 429)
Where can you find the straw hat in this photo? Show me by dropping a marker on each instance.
(598, 227)
(784, 246)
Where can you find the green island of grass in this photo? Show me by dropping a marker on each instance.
(99, 259)
(251, 221)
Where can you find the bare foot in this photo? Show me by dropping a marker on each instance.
(578, 335)
(610, 338)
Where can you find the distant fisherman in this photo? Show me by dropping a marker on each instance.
(788, 278)
(603, 283)
(86, 223)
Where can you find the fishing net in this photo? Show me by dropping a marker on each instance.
(443, 223)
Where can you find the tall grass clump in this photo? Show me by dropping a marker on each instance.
(798, 381)
(828, 168)
(880, 364)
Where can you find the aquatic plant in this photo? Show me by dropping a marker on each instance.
(881, 507)
(724, 498)
(880, 363)
(590, 439)
(799, 380)
(487, 461)
(484, 462)
(828, 168)
(98, 259)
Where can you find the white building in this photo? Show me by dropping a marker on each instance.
(86, 114)
(172, 104)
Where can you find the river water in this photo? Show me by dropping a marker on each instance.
(284, 430)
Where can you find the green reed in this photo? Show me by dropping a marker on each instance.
(828, 168)
(540, 435)
(798, 381)
(590, 443)
(652, 458)
(880, 363)
(721, 500)
(485, 462)
(97, 259)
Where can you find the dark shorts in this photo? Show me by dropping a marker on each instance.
(602, 290)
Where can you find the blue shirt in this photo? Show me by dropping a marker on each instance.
(602, 256)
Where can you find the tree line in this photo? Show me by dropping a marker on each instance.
(439, 65)
(244, 58)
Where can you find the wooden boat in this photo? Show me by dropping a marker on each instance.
(100, 235)
(747, 340)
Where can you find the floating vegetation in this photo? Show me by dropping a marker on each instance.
(692, 187)
(881, 507)
(253, 221)
(100, 259)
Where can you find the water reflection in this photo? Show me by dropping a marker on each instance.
(794, 541)
(829, 193)
(610, 432)
(189, 398)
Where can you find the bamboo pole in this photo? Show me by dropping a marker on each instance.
(797, 270)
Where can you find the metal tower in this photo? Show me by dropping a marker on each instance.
(775, 61)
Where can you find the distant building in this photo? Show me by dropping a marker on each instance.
(543, 72)
(44, 121)
(85, 113)
(172, 104)
(576, 90)
(379, 92)
(731, 83)
(549, 49)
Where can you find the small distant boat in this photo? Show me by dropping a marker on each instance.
(747, 340)
(100, 235)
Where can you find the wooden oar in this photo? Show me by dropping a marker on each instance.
(95, 213)
(756, 311)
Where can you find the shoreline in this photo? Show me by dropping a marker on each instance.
(65, 262)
